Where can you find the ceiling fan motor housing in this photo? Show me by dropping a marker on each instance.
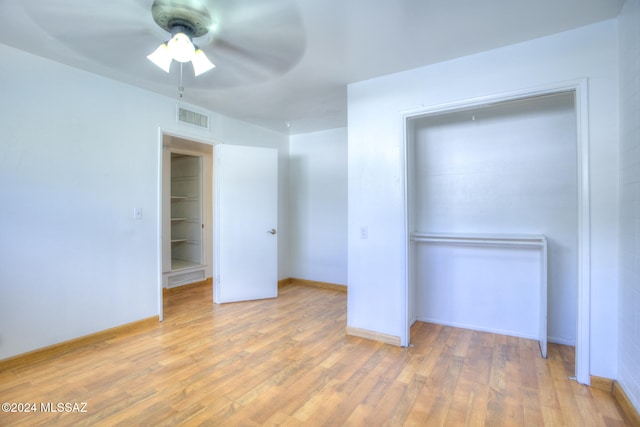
(189, 15)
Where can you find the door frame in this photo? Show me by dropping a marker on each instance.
(196, 139)
(580, 90)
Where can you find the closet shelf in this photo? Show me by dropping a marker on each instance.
(185, 178)
(185, 240)
(181, 264)
(185, 198)
(186, 220)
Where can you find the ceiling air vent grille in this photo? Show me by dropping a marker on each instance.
(193, 118)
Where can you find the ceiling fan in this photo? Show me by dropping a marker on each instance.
(184, 20)
(250, 41)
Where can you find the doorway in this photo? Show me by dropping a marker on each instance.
(186, 212)
(462, 176)
(242, 246)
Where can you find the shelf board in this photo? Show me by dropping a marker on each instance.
(185, 240)
(179, 219)
(185, 178)
(185, 198)
(180, 264)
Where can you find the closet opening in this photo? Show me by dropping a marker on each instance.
(496, 237)
(186, 212)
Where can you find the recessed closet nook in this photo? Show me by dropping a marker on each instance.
(186, 211)
(492, 204)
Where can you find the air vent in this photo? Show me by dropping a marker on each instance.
(193, 118)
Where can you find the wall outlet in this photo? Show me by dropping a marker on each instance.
(364, 232)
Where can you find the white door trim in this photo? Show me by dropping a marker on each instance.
(580, 89)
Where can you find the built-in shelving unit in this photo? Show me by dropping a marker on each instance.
(185, 221)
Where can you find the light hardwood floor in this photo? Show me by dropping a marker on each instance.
(288, 362)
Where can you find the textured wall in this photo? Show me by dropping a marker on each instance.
(629, 317)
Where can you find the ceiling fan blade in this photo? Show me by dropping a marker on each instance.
(114, 33)
(253, 40)
(78, 16)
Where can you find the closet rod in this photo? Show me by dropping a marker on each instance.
(534, 241)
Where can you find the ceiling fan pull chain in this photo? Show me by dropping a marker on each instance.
(181, 87)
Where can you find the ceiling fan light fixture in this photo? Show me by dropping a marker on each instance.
(181, 48)
(201, 64)
(161, 57)
(184, 19)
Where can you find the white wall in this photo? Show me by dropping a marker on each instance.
(78, 153)
(318, 206)
(510, 169)
(376, 192)
(629, 312)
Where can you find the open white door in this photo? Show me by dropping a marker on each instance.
(245, 223)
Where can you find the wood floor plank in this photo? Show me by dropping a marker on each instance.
(287, 361)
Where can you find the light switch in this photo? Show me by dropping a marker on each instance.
(364, 232)
(137, 213)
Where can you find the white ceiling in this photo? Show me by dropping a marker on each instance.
(285, 61)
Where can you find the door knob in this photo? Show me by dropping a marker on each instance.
(272, 231)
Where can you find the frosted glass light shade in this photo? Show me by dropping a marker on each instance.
(181, 48)
(161, 57)
(201, 63)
